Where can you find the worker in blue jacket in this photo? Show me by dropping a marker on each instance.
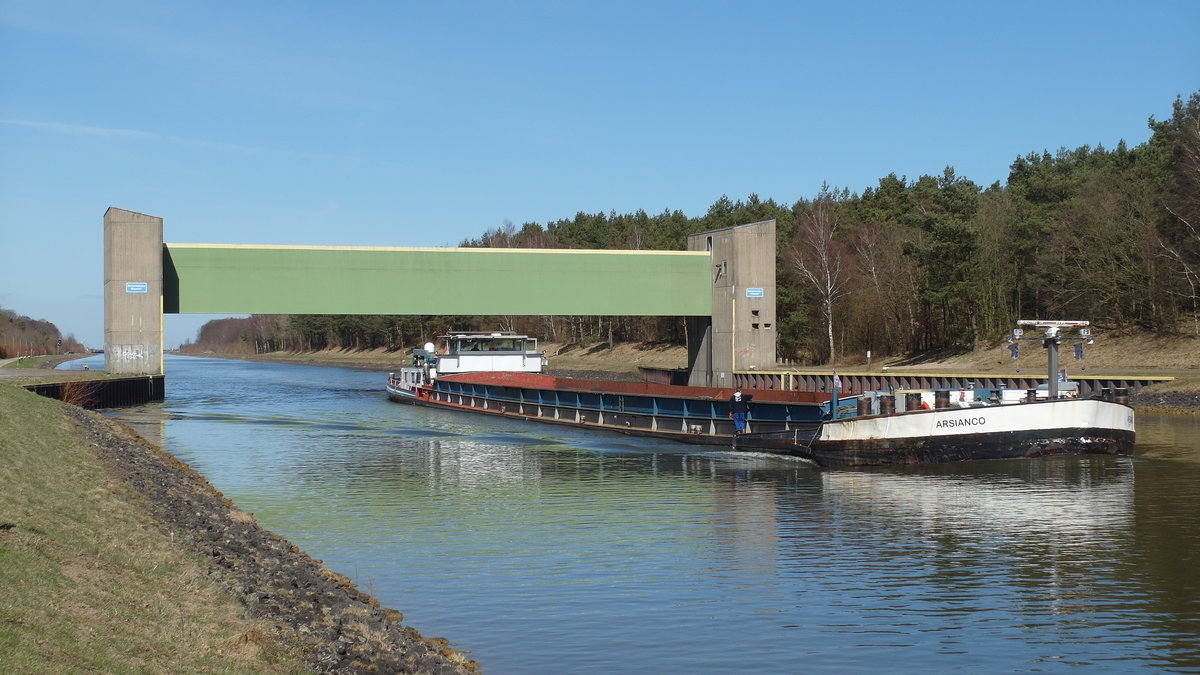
(738, 408)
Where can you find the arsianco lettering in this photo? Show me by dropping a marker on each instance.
(961, 422)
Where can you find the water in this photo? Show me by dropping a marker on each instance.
(543, 549)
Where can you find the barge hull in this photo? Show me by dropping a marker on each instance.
(695, 432)
(792, 427)
(953, 435)
(910, 451)
(684, 414)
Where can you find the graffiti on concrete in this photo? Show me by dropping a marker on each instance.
(132, 353)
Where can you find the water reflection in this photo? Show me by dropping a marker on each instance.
(546, 548)
(1168, 436)
(1065, 498)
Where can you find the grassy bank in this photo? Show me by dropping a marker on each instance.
(48, 361)
(116, 557)
(40, 369)
(90, 582)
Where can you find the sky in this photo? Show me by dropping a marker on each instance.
(426, 123)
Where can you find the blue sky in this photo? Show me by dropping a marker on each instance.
(424, 123)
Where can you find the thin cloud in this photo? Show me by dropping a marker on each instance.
(81, 130)
(151, 136)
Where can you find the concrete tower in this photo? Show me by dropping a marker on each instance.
(741, 333)
(133, 276)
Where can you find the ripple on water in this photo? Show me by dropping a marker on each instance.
(540, 547)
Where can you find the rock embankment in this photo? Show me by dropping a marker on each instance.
(339, 628)
(1148, 398)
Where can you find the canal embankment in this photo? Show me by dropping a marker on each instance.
(1175, 361)
(114, 555)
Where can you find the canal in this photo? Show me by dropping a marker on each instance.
(542, 549)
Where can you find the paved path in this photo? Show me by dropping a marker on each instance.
(12, 373)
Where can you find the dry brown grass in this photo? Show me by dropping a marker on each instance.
(622, 357)
(1114, 352)
(1129, 353)
(239, 516)
(80, 393)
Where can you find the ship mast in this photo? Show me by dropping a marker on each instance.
(1052, 336)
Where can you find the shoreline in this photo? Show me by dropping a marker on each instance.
(1178, 397)
(340, 628)
(1162, 398)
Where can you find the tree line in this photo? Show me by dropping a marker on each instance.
(23, 336)
(904, 266)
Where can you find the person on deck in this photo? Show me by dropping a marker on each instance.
(738, 407)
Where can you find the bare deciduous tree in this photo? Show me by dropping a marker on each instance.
(820, 257)
(1187, 212)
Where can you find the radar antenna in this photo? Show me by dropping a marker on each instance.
(1052, 336)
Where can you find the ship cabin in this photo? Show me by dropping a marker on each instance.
(468, 352)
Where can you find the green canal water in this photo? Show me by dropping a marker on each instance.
(542, 549)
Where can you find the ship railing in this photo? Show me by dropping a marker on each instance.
(852, 383)
(637, 404)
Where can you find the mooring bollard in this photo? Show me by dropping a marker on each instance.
(912, 401)
(887, 404)
(941, 399)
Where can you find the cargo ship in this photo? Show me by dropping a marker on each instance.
(500, 373)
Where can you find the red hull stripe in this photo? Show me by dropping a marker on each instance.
(548, 382)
